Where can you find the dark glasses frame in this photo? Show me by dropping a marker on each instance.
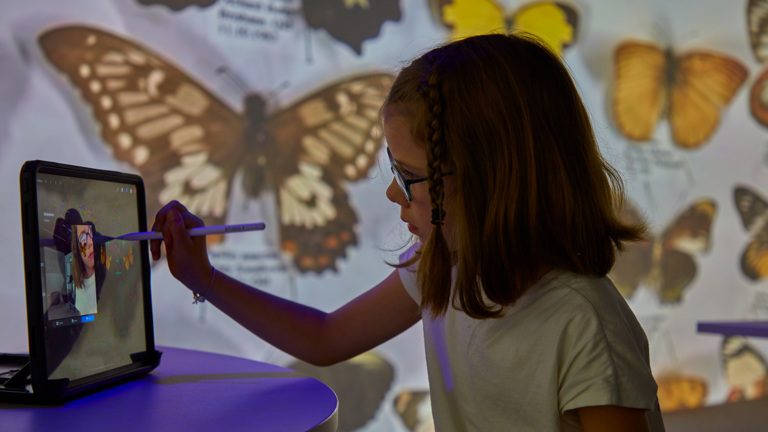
(404, 183)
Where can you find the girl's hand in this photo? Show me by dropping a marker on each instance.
(187, 257)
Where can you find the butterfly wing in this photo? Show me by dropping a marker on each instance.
(757, 24)
(678, 391)
(351, 22)
(555, 23)
(639, 93)
(745, 369)
(321, 142)
(753, 210)
(413, 408)
(344, 378)
(179, 136)
(469, 17)
(633, 264)
(705, 83)
(687, 236)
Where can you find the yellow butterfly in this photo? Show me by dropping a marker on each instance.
(555, 23)
(689, 89)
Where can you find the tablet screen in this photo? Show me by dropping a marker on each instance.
(93, 301)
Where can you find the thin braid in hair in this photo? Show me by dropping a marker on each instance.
(436, 148)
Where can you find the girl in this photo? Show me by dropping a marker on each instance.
(499, 176)
(84, 269)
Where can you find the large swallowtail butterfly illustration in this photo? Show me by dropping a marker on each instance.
(188, 145)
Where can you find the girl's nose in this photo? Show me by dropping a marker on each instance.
(395, 194)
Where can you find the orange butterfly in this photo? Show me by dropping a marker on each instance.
(678, 391)
(189, 145)
(689, 89)
(665, 263)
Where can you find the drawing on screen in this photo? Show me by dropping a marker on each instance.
(689, 89)
(556, 23)
(665, 263)
(81, 267)
(753, 211)
(188, 145)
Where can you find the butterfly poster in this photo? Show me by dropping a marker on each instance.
(556, 23)
(188, 145)
(753, 211)
(689, 89)
(665, 263)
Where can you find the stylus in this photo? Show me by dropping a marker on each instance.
(193, 232)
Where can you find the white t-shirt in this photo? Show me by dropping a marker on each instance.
(85, 297)
(571, 341)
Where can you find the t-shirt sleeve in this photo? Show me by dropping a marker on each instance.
(408, 274)
(604, 360)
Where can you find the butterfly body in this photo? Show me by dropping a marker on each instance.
(689, 89)
(188, 145)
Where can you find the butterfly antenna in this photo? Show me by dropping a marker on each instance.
(239, 82)
(308, 46)
(280, 87)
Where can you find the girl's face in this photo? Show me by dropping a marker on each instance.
(411, 160)
(85, 242)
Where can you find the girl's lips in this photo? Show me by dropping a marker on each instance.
(412, 228)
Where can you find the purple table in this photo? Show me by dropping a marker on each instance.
(735, 328)
(192, 391)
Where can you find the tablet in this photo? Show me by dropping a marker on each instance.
(89, 312)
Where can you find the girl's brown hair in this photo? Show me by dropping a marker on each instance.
(533, 191)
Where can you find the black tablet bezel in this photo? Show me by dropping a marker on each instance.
(44, 389)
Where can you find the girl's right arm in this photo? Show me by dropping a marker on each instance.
(314, 336)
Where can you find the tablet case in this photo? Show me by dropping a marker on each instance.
(28, 377)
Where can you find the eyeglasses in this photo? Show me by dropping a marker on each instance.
(402, 181)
